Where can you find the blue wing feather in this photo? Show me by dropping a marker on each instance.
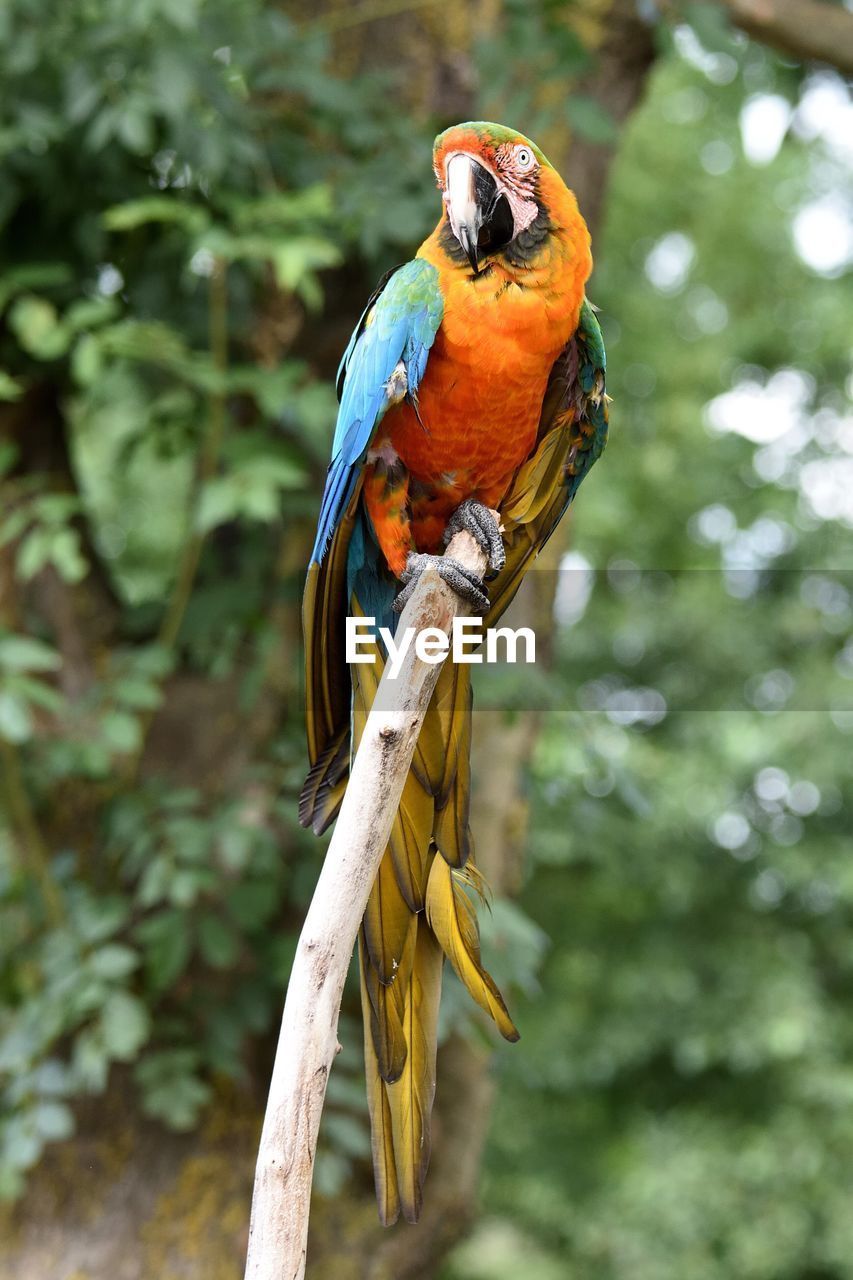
(401, 326)
(359, 330)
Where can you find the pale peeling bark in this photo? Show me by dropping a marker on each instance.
(308, 1040)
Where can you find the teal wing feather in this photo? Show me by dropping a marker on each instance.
(400, 326)
(592, 416)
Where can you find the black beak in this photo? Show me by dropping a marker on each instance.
(468, 240)
(472, 203)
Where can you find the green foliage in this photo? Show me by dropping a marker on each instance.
(530, 86)
(24, 662)
(679, 1102)
(256, 477)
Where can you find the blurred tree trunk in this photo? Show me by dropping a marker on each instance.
(125, 1200)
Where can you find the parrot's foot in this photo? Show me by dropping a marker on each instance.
(467, 585)
(483, 528)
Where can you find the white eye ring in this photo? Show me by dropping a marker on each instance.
(524, 158)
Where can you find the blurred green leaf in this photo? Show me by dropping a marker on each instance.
(302, 255)
(163, 209)
(252, 491)
(10, 388)
(53, 1121)
(32, 275)
(166, 944)
(56, 545)
(217, 942)
(35, 323)
(114, 961)
(24, 653)
(121, 731)
(125, 1025)
(171, 1090)
(16, 723)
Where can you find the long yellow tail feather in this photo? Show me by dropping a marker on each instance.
(452, 918)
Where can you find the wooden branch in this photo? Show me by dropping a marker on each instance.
(308, 1041)
(808, 30)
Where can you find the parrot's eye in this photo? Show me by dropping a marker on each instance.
(524, 158)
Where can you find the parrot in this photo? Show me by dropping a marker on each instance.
(473, 383)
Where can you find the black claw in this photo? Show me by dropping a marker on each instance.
(478, 520)
(467, 585)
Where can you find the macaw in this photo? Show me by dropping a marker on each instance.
(474, 381)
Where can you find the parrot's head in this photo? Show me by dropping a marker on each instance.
(496, 186)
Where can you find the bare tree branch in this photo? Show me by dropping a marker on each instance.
(809, 30)
(308, 1042)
